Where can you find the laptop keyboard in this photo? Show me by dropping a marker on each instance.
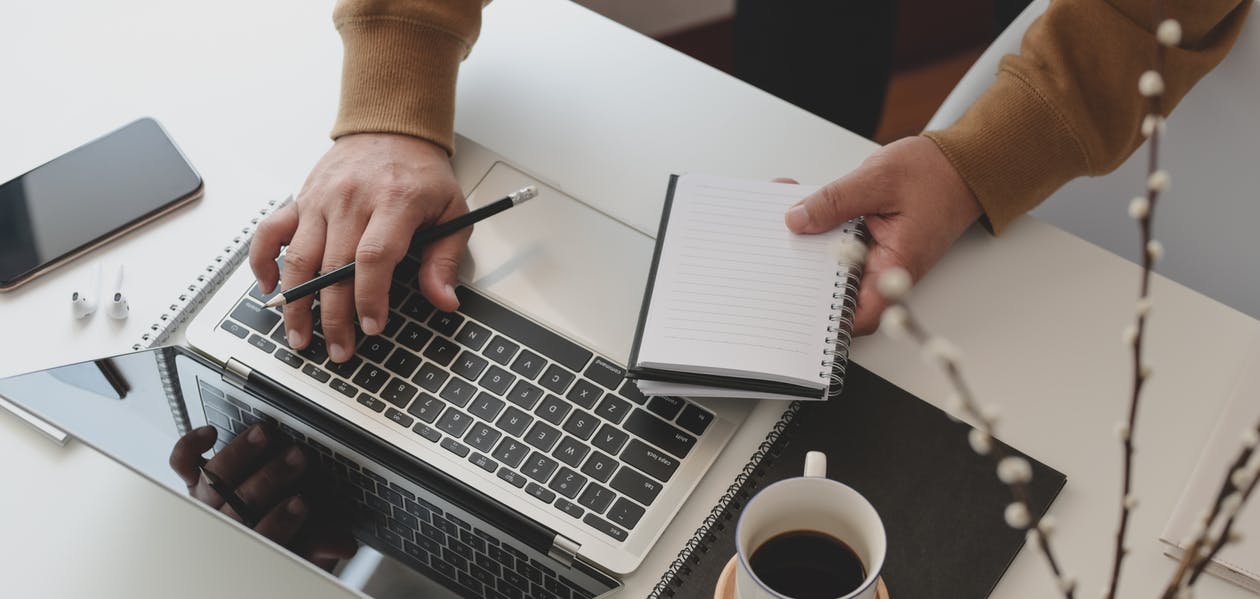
(529, 407)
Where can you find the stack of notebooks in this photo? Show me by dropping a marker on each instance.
(738, 306)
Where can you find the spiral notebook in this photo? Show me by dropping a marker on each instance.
(738, 306)
(941, 504)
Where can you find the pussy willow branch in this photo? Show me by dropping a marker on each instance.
(1019, 490)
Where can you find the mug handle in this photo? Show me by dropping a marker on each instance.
(816, 464)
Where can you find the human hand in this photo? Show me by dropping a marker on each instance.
(267, 474)
(915, 205)
(363, 201)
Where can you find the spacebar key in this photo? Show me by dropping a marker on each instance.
(522, 329)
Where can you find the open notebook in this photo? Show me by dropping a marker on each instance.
(738, 306)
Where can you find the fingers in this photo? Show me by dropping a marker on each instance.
(186, 455)
(270, 483)
(336, 302)
(384, 243)
(274, 233)
(439, 264)
(233, 464)
(870, 305)
(283, 521)
(835, 203)
(301, 261)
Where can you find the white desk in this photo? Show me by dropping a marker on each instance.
(249, 90)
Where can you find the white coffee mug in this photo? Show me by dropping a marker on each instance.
(810, 503)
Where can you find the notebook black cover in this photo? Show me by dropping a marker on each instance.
(942, 505)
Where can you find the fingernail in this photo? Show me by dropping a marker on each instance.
(451, 292)
(370, 326)
(294, 457)
(297, 507)
(204, 432)
(295, 339)
(337, 352)
(797, 218)
(257, 436)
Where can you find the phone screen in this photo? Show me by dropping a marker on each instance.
(89, 193)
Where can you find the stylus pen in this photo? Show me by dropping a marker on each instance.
(421, 237)
(229, 496)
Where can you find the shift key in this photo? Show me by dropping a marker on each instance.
(659, 433)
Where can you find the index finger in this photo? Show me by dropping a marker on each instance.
(384, 242)
(186, 455)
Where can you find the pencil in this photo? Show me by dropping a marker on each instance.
(421, 237)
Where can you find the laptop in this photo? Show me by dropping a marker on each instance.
(498, 451)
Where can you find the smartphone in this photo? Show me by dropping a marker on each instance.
(89, 196)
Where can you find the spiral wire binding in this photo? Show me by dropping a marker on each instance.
(741, 489)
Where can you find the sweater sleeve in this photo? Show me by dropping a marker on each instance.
(400, 64)
(1068, 104)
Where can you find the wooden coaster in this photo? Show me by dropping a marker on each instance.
(726, 582)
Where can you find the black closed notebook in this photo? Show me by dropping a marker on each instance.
(942, 505)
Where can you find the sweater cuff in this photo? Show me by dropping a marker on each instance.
(398, 77)
(1012, 148)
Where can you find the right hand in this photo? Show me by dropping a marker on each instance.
(363, 201)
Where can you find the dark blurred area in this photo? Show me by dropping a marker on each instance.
(879, 69)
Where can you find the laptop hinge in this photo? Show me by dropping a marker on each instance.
(235, 373)
(564, 550)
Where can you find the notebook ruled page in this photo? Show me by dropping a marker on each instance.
(736, 293)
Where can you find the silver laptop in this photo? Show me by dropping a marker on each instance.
(496, 451)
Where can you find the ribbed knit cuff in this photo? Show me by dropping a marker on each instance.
(398, 77)
(1012, 148)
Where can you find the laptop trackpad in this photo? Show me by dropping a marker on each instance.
(560, 261)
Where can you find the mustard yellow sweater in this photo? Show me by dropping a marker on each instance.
(1067, 105)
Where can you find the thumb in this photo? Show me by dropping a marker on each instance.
(841, 200)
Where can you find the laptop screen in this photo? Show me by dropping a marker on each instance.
(372, 519)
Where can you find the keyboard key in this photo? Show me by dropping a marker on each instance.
(393, 322)
(486, 406)
(570, 451)
(540, 493)
(581, 424)
(483, 462)
(345, 369)
(542, 436)
(254, 316)
(525, 395)
(567, 482)
(417, 307)
(557, 379)
(454, 447)
(513, 478)
(371, 378)
(605, 373)
(584, 393)
(695, 419)
(316, 350)
(497, 380)
(636, 486)
(625, 513)
(441, 351)
(397, 293)
(610, 439)
(261, 343)
(376, 349)
(569, 508)
(613, 408)
(656, 463)
(446, 323)
(402, 362)
(430, 377)
(235, 329)
(459, 392)
(529, 364)
(413, 336)
(398, 392)
(514, 421)
(539, 467)
(372, 403)
(473, 336)
(454, 422)
(631, 392)
(522, 330)
(469, 365)
(501, 350)
(343, 388)
(600, 466)
(511, 452)
(399, 418)
(659, 433)
(665, 407)
(553, 409)
(289, 358)
(605, 527)
(428, 432)
(426, 408)
(483, 437)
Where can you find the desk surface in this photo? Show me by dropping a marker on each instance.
(249, 90)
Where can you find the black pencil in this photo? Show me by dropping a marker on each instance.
(421, 237)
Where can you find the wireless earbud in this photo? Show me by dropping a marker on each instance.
(117, 307)
(83, 304)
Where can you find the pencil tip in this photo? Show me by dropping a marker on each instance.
(278, 300)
